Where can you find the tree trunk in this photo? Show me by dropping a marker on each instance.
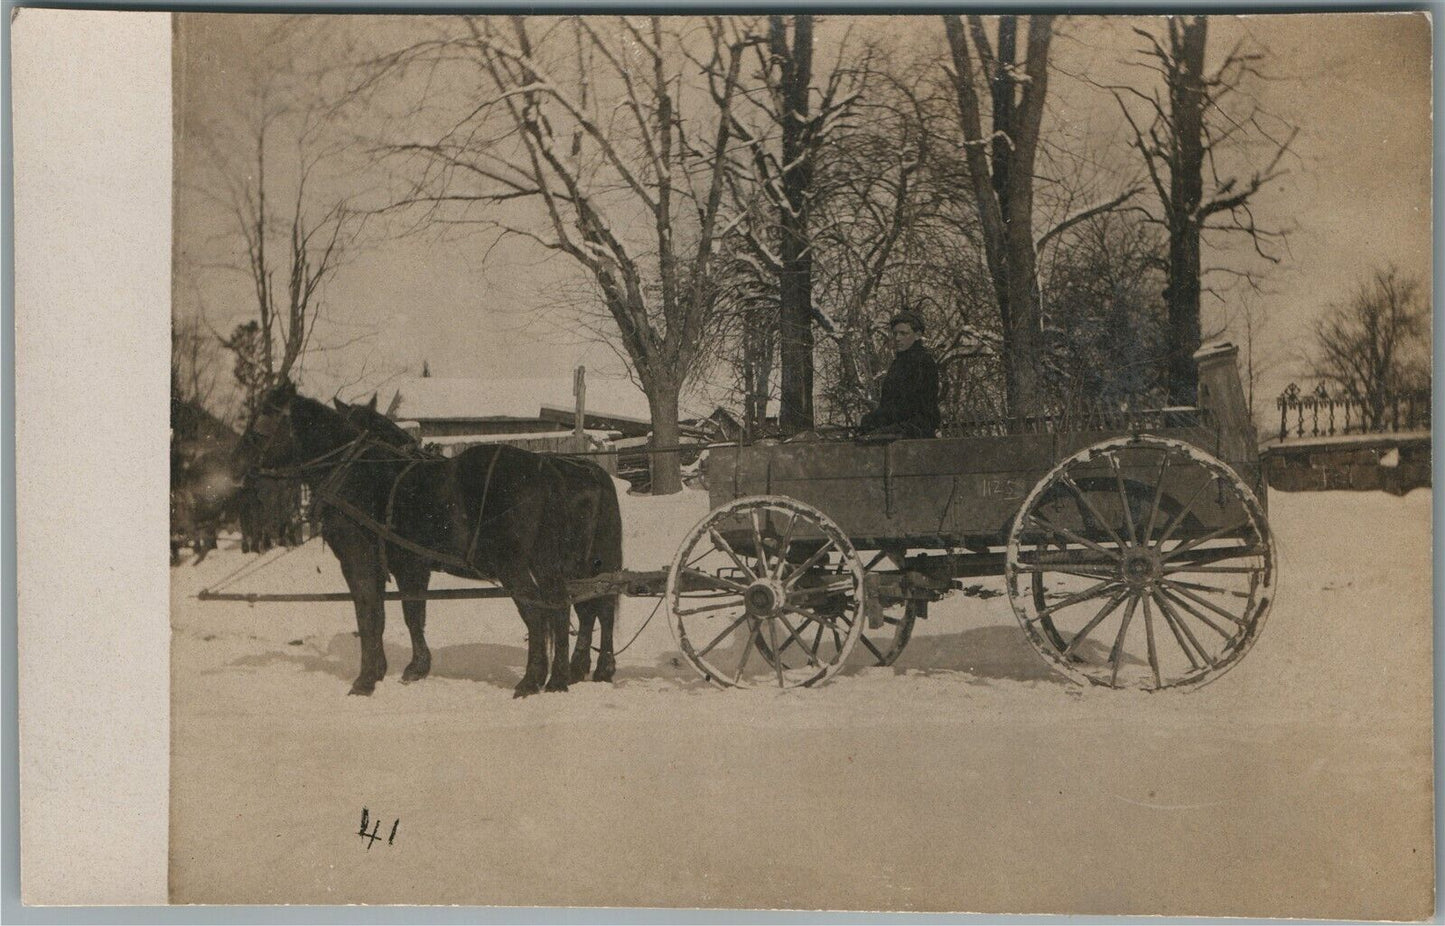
(1186, 191)
(796, 283)
(1002, 181)
(1024, 350)
(662, 401)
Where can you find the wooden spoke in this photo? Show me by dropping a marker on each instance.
(830, 589)
(748, 650)
(793, 635)
(1062, 562)
(1117, 655)
(1064, 532)
(763, 568)
(712, 607)
(1195, 612)
(878, 557)
(1093, 511)
(702, 553)
(1096, 620)
(783, 550)
(863, 638)
(1093, 591)
(1173, 595)
(1123, 498)
(1178, 519)
(1173, 623)
(777, 655)
(715, 581)
(1209, 588)
(1212, 535)
(720, 637)
(1098, 572)
(1172, 587)
(1164, 602)
(1064, 557)
(1153, 649)
(1158, 498)
(1218, 570)
(726, 547)
(810, 616)
(811, 562)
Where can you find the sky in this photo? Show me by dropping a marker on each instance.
(1357, 194)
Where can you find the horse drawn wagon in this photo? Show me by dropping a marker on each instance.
(1134, 547)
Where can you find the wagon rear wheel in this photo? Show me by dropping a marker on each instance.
(1141, 562)
(772, 574)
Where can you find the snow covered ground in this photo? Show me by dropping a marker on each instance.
(966, 777)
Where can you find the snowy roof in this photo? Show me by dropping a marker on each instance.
(600, 437)
(1214, 349)
(436, 397)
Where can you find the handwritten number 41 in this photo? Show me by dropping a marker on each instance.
(375, 833)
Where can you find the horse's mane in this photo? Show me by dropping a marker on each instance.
(367, 418)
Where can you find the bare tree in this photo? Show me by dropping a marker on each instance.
(274, 167)
(794, 61)
(1375, 345)
(1105, 338)
(195, 363)
(780, 165)
(1001, 172)
(1183, 141)
(601, 141)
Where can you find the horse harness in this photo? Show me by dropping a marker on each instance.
(340, 460)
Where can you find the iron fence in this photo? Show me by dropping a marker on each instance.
(1320, 413)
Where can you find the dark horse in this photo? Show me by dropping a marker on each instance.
(529, 522)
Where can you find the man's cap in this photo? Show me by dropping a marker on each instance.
(910, 318)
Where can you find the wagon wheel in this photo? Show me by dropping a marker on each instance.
(881, 646)
(877, 646)
(1118, 582)
(768, 569)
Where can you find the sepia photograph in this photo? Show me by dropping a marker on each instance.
(802, 461)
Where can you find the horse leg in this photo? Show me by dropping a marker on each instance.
(537, 632)
(603, 612)
(367, 583)
(582, 649)
(413, 579)
(607, 618)
(557, 621)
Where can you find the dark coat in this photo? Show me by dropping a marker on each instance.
(909, 402)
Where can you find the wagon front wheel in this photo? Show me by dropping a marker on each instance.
(760, 576)
(1141, 562)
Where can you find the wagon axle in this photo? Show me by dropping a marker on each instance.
(1141, 568)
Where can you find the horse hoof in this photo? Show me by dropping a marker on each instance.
(359, 687)
(525, 689)
(414, 674)
(580, 670)
(606, 668)
(557, 686)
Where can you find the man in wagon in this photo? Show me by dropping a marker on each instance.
(908, 405)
